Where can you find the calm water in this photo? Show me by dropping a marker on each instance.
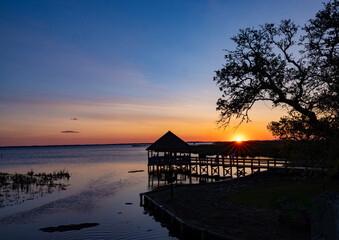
(98, 190)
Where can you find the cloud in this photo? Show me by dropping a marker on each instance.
(69, 132)
(74, 118)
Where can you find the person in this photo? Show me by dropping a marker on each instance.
(232, 156)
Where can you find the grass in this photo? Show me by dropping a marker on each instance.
(268, 195)
(292, 200)
(16, 188)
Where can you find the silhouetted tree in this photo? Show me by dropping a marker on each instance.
(293, 67)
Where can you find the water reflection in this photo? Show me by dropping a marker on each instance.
(166, 178)
(103, 179)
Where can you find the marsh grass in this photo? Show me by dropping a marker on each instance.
(16, 188)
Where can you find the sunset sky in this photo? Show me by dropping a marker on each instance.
(100, 72)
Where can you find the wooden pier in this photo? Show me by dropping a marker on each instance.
(220, 167)
(171, 154)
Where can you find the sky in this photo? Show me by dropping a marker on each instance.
(102, 72)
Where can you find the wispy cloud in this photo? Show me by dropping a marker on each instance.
(69, 132)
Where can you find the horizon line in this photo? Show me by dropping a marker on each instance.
(106, 144)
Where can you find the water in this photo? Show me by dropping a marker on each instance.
(97, 191)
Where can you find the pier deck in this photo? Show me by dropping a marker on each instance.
(221, 167)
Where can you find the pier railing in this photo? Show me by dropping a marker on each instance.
(215, 161)
(225, 167)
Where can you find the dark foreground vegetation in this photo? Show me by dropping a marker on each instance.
(262, 206)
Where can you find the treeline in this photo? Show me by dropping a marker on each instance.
(314, 152)
(241, 149)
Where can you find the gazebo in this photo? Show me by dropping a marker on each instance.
(168, 150)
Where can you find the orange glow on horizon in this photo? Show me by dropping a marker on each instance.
(100, 125)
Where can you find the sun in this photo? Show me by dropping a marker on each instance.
(239, 140)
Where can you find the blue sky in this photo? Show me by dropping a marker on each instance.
(157, 57)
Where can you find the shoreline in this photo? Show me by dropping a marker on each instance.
(178, 226)
(207, 207)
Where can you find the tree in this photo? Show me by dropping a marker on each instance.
(293, 67)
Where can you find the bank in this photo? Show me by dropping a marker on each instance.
(251, 207)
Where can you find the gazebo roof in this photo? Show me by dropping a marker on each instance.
(169, 142)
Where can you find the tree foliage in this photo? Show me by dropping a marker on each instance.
(289, 66)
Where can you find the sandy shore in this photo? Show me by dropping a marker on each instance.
(207, 206)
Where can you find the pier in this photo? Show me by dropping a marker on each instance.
(214, 166)
(171, 160)
(170, 155)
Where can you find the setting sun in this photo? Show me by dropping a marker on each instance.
(239, 140)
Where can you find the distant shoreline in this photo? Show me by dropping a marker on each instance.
(124, 144)
(73, 145)
(86, 145)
